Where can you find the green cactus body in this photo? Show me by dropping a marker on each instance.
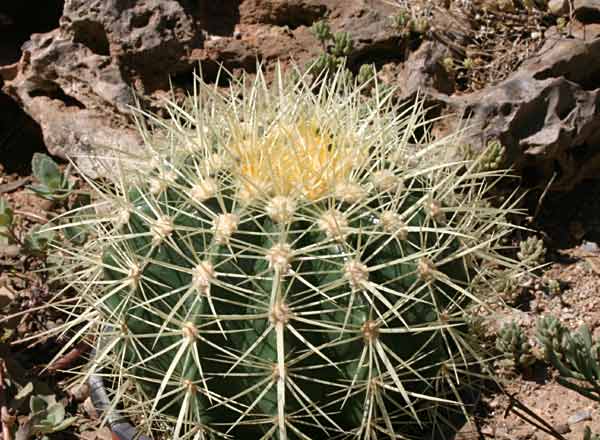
(280, 272)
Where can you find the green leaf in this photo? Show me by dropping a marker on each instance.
(54, 185)
(6, 214)
(46, 171)
(37, 404)
(55, 413)
(64, 424)
(36, 242)
(25, 391)
(76, 233)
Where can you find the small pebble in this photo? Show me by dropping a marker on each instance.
(590, 246)
(580, 416)
(488, 431)
(563, 428)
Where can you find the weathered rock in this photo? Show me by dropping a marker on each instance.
(424, 70)
(79, 81)
(547, 114)
(272, 30)
(587, 11)
(83, 135)
(290, 13)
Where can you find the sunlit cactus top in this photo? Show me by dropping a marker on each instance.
(289, 260)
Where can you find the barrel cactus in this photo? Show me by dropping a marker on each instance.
(286, 261)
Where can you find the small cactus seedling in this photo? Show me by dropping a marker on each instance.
(448, 64)
(322, 31)
(553, 287)
(366, 73)
(513, 343)
(508, 287)
(552, 335)
(342, 44)
(575, 355)
(492, 156)
(401, 19)
(326, 62)
(419, 25)
(532, 251)
(468, 63)
(283, 263)
(336, 48)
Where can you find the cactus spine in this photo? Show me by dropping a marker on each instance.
(288, 267)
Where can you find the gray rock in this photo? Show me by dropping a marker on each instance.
(587, 11)
(546, 114)
(590, 246)
(77, 81)
(580, 416)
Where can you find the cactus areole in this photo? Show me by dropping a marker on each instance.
(282, 264)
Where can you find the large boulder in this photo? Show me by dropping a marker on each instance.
(546, 114)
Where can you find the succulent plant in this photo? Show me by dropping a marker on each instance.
(401, 19)
(342, 44)
(53, 184)
(448, 64)
(325, 63)
(553, 287)
(552, 335)
(283, 263)
(513, 343)
(47, 416)
(366, 73)
(575, 355)
(420, 25)
(532, 251)
(36, 242)
(468, 63)
(322, 31)
(493, 155)
(336, 48)
(508, 287)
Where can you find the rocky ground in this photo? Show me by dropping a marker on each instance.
(523, 72)
(570, 224)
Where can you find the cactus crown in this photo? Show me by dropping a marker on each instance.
(283, 262)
